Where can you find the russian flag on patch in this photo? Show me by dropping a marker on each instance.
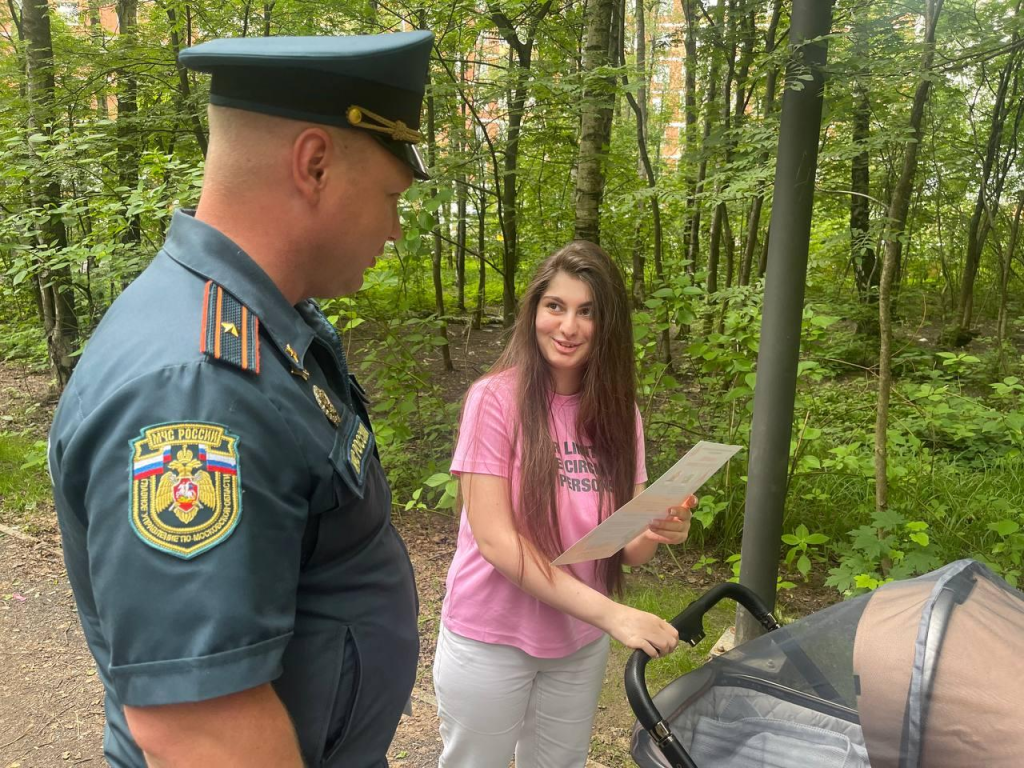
(218, 462)
(151, 465)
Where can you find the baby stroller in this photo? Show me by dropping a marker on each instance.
(923, 673)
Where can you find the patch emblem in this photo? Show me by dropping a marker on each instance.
(185, 495)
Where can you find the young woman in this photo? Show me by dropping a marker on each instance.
(550, 443)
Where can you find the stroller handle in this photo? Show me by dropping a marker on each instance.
(690, 626)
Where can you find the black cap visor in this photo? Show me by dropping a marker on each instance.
(408, 154)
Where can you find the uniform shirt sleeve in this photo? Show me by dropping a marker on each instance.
(485, 445)
(180, 628)
(641, 451)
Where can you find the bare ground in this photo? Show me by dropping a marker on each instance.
(51, 702)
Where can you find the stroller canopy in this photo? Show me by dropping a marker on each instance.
(921, 673)
(938, 662)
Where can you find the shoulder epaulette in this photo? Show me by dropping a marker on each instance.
(230, 330)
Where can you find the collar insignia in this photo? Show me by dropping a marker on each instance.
(297, 369)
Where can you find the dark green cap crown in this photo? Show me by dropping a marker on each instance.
(372, 82)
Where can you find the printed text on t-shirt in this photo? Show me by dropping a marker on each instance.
(575, 459)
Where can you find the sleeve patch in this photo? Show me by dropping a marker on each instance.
(185, 495)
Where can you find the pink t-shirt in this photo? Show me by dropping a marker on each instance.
(480, 602)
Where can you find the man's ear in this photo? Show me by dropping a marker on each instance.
(312, 152)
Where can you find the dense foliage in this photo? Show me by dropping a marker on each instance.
(94, 160)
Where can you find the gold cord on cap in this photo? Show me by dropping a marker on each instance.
(396, 129)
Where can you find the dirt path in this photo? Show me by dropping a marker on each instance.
(51, 702)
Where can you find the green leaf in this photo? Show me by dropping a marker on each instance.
(920, 538)
(824, 321)
(887, 519)
(804, 565)
(438, 479)
(866, 581)
(1004, 527)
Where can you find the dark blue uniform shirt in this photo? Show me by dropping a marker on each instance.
(225, 518)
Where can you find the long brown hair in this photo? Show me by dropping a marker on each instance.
(607, 409)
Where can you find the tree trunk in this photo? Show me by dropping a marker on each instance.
(184, 88)
(128, 150)
(520, 55)
(481, 285)
(268, 10)
(730, 247)
(987, 200)
(862, 247)
(714, 249)
(462, 192)
(1004, 280)
(460, 246)
(436, 252)
(57, 300)
(690, 109)
(892, 244)
(709, 121)
(97, 34)
(1005, 273)
(754, 219)
(638, 288)
(640, 113)
(595, 120)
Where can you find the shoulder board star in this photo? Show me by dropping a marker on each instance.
(230, 331)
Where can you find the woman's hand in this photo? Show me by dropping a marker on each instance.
(675, 526)
(642, 631)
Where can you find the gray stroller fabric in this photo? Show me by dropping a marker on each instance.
(765, 743)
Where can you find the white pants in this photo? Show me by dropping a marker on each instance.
(494, 700)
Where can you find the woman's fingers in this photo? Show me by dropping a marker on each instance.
(672, 529)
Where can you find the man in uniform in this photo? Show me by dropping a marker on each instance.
(224, 513)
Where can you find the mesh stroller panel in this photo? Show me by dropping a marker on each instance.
(783, 700)
(736, 727)
(924, 673)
